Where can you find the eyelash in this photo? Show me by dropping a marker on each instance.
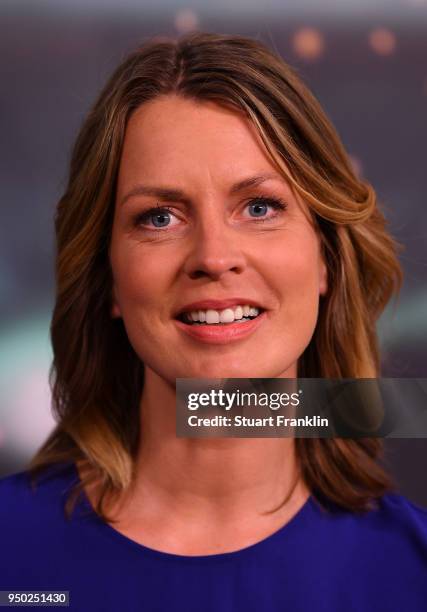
(276, 203)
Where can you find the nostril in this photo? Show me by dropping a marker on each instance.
(197, 274)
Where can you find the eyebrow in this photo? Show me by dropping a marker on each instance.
(176, 195)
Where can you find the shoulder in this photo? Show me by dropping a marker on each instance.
(12, 485)
(16, 496)
(393, 513)
(397, 516)
(378, 557)
(403, 525)
(394, 533)
(40, 543)
(26, 501)
(400, 510)
(22, 486)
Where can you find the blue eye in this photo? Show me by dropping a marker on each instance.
(160, 219)
(258, 209)
(259, 206)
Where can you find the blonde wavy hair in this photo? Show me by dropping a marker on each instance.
(96, 377)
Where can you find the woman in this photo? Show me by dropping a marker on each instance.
(212, 226)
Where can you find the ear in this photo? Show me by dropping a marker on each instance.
(323, 278)
(115, 308)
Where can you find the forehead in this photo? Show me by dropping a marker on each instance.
(180, 138)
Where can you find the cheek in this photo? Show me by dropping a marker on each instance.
(296, 277)
(142, 284)
(141, 280)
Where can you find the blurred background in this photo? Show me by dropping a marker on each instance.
(365, 62)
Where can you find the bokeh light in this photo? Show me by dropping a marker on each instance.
(308, 43)
(186, 20)
(382, 41)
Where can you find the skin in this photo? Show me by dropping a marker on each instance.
(213, 248)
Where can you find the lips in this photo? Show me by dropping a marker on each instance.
(222, 334)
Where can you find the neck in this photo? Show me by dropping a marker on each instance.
(223, 476)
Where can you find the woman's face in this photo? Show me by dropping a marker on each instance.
(211, 246)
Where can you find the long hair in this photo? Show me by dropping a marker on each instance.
(97, 378)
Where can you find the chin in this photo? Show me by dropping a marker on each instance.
(231, 370)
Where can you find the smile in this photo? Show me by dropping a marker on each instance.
(213, 331)
(226, 316)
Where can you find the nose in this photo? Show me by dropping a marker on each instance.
(215, 251)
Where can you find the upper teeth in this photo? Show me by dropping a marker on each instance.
(222, 316)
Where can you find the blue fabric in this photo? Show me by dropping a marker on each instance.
(335, 561)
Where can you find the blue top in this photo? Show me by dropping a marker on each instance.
(320, 561)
